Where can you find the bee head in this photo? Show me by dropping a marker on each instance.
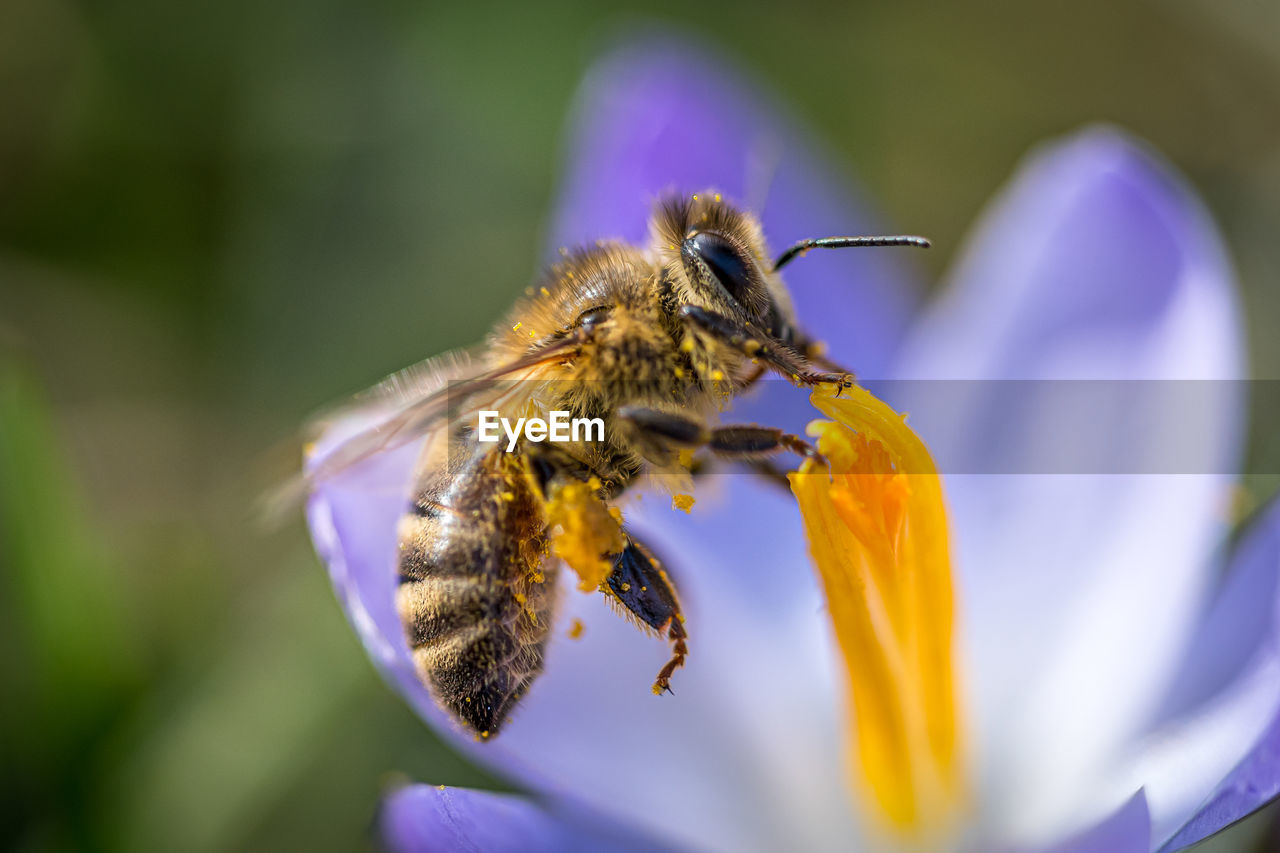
(714, 256)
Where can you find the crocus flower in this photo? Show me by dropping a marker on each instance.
(1119, 667)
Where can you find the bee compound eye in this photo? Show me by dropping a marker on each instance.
(724, 261)
(594, 317)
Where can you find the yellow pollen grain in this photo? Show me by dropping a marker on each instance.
(576, 628)
(626, 587)
(877, 532)
(684, 503)
(545, 292)
(686, 345)
(517, 326)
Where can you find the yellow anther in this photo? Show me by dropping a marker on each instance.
(877, 532)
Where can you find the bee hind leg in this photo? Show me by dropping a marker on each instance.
(640, 585)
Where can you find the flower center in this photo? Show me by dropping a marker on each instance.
(877, 532)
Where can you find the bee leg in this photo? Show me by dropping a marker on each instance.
(815, 351)
(742, 441)
(758, 344)
(639, 583)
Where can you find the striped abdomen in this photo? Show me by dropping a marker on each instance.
(476, 594)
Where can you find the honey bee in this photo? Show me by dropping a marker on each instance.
(653, 340)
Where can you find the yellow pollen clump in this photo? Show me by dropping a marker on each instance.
(877, 532)
(684, 458)
(583, 532)
(576, 629)
(717, 376)
(684, 503)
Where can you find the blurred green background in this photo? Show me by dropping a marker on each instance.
(215, 217)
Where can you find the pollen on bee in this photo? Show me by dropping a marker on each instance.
(545, 292)
(583, 531)
(520, 597)
(508, 496)
(717, 197)
(576, 629)
(684, 503)
(685, 458)
(516, 327)
(679, 373)
(717, 376)
(695, 196)
(686, 345)
(626, 587)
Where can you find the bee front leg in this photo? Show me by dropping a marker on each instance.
(640, 585)
(758, 344)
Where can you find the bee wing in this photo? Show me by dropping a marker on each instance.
(416, 401)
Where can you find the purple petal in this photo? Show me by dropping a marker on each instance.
(1127, 830)
(1079, 591)
(665, 113)
(1183, 760)
(1240, 623)
(1250, 786)
(426, 819)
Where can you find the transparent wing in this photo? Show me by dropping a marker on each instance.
(416, 401)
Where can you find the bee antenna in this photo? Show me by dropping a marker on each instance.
(844, 243)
